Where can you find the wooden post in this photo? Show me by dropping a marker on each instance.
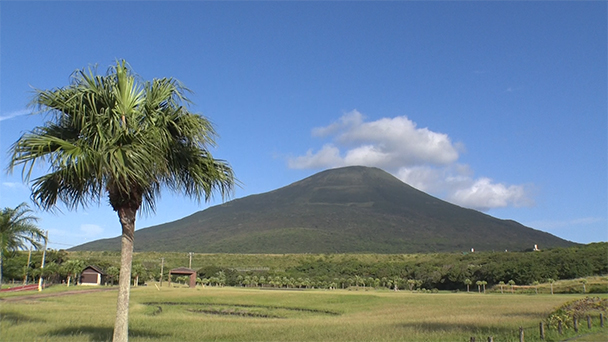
(575, 324)
(542, 331)
(521, 334)
(490, 339)
(472, 339)
(601, 320)
(559, 327)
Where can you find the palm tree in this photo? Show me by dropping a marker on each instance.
(468, 283)
(18, 230)
(72, 268)
(137, 270)
(512, 283)
(114, 135)
(501, 284)
(551, 281)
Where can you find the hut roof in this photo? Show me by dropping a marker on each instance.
(182, 270)
(94, 268)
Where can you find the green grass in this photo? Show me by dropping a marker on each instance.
(231, 314)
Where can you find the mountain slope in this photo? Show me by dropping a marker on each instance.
(346, 210)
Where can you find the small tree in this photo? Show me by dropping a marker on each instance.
(113, 272)
(136, 271)
(551, 281)
(535, 284)
(478, 283)
(72, 268)
(584, 282)
(468, 283)
(396, 282)
(501, 284)
(484, 283)
(512, 283)
(221, 276)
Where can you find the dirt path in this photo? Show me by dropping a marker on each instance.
(54, 294)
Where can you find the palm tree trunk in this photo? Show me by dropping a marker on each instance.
(121, 325)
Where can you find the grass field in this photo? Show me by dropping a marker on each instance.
(238, 314)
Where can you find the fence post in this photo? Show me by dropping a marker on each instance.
(559, 327)
(575, 324)
(542, 331)
(490, 339)
(521, 334)
(472, 338)
(601, 320)
(588, 321)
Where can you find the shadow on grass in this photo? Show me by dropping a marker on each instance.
(269, 307)
(102, 333)
(17, 318)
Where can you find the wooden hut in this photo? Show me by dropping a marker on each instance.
(91, 275)
(184, 271)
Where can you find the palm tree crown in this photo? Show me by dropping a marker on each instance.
(18, 230)
(116, 136)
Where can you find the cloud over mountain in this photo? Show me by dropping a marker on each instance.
(420, 157)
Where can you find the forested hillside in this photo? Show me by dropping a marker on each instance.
(346, 210)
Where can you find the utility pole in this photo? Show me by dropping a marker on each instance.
(162, 265)
(46, 239)
(190, 262)
(27, 266)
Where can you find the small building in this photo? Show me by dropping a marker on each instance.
(91, 275)
(184, 271)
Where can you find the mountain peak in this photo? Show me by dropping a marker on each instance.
(352, 209)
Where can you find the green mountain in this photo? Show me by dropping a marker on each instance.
(346, 210)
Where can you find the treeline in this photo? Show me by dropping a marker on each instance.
(448, 271)
(443, 271)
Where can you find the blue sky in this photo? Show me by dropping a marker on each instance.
(496, 106)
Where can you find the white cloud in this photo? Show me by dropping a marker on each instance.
(14, 185)
(484, 194)
(91, 230)
(424, 159)
(328, 156)
(385, 143)
(14, 114)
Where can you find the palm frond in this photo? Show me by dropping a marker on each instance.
(18, 229)
(114, 134)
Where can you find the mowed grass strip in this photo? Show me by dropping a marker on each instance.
(301, 316)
